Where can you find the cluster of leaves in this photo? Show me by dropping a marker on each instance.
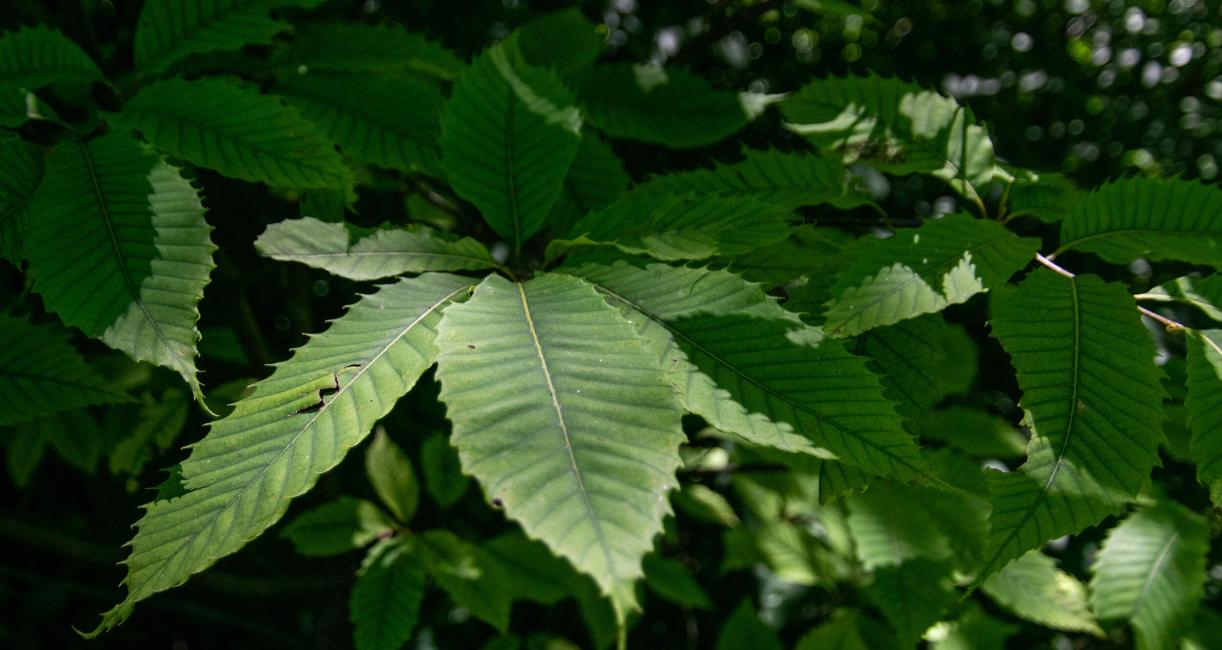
(578, 320)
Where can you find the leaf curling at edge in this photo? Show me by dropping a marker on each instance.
(298, 423)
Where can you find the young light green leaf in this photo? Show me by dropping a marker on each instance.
(376, 254)
(670, 579)
(385, 602)
(392, 476)
(359, 47)
(21, 170)
(669, 106)
(508, 135)
(36, 56)
(378, 119)
(923, 270)
(1152, 218)
(471, 577)
(298, 423)
(1203, 293)
(339, 526)
(745, 630)
(582, 446)
(170, 30)
(895, 126)
(1093, 400)
(1033, 588)
(1204, 404)
(443, 477)
(1151, 571)
(229, 127)
(680, 227)
(119, 248)
(913, 597)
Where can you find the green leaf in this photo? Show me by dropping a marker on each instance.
(21, 170)
(357, 47)
(1203, 293)
(1093, 400)
(32, 57)
(837, 634)
(703, 503)
(376, 254)
(508, 135)
(443, 477)
(787, 180)
(531, 571)
(745, 630)
(1151, 571)
(923, 270)
(913, 596)
(896, 127)
(385, 602)
(595, 180)
(24, 448)
(157, 425)
(75, 437)
(231, 128)
(975, 432)
(972, 630)
(18, 106)
(1033, 588)
(470, 576)
(1154, 218)
(392, 476)
(1044, 196)
(669, 106)
(911, 357)
(1204, 404)
(807, 250)
(297, 424)
(670, 579)
(336, 527)
(118, 247)
(563, 41)
(170, 30)
(891, 525)
(378, 119)
(680, 227)
(582, 445)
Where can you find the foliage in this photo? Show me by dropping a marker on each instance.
(708, 378)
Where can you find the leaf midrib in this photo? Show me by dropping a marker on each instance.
(1121, 232)
(1155, 569)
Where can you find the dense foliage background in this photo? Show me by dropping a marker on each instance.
(1093, 90)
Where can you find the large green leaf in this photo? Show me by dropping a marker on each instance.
(595, 179)
(1151, 571)
(890, 526)
(21, 169)
(913, 597)
(1093, 401)
(563, 415)
(1204, 404)
(895, 126)
(922, 270)
(36, 56)
(1154, 218)
(297, 424)
(41, 374)
(118, 247)
(680, 226)
(1033, 588)
(385, 601)
(669, 106)
(375, 254)
(222, 125)
(911, 356)
(358, 47)
(788, 180)
(379, 119)
(170, 30)
(508, 135)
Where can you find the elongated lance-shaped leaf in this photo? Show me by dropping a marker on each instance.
(1153, 218)
(1094, 404)
(118, 247)
(379, 119)
(385, 602)
(1204, 404)
(357, 47)
(1203, 293)
(297, 424)
(169, 30)
(564, 416)
(390, 473)
(375, 254)
(788, 180)
(895, 126)
(669, 106)
(508, 135)
(229, 127)
(595, 179)
(680, 227)
(41, 374)
(36, 56)
(922, 270)
(1033, 588)
(1151, 571)
(21, 169)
